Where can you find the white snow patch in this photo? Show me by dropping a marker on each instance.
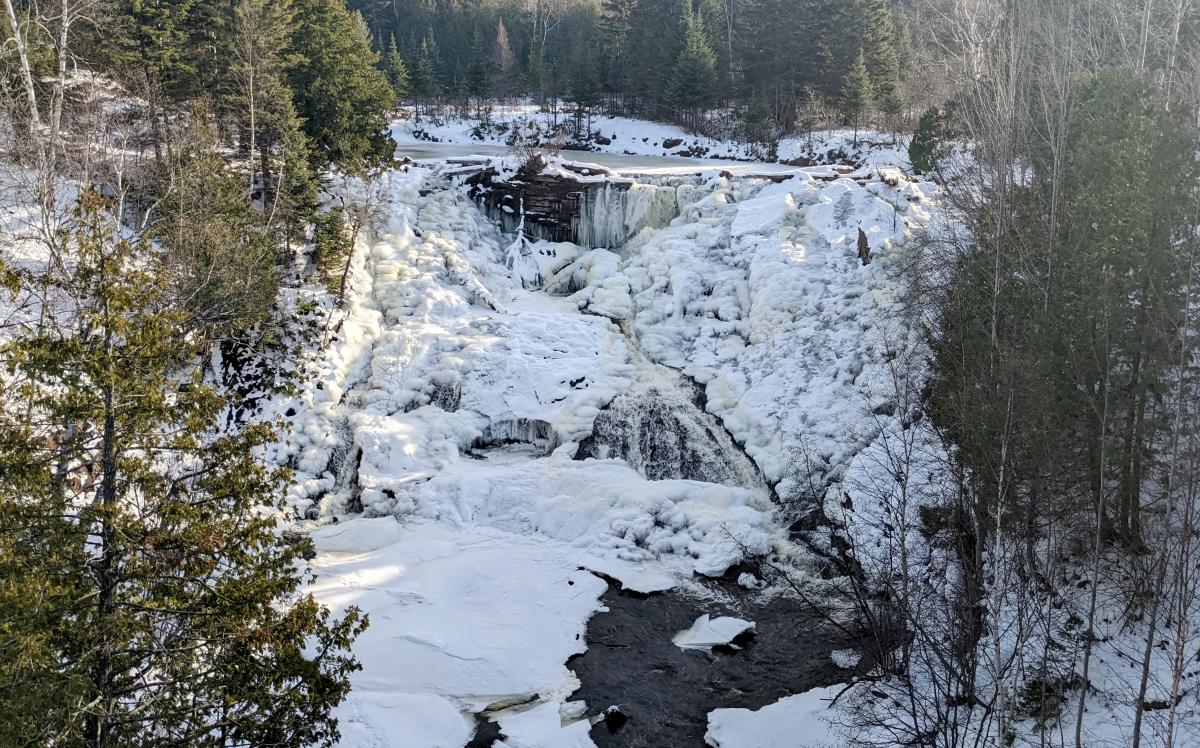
(452, 615)
(846, 658)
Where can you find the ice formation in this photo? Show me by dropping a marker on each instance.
(611, 215)
(707, 633)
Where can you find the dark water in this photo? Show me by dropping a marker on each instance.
(666, 693)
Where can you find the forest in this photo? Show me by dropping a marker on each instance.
(655, 58)
(309, 437)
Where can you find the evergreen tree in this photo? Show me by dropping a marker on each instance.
(478, 79)
(655, 43)
(713, 19)
(340, 93)
(692, 84)
(219, 255)
(424, 81)
(615, 26)
(170, 611)
(926, 150)
(879, 45)
(585, 91)
(152, 38)
(757, 127)
(857, 93)
(396, 71)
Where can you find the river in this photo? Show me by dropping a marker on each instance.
(618, 162)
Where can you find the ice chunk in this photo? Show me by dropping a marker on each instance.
(707, 633)
(543, 727)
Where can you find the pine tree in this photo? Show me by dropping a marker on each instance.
(395, 71)
(857, 93)
(879, 45)
(424, 79)
(152, 38)
(759, 128)
(713, 19)
(478, 79)
(585, 90)
(692, 84)
(170, 610)
(340, 93)
(615, 35)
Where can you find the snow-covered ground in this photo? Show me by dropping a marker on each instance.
(451, 401)
(623, 135)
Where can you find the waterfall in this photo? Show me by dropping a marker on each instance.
(609, 216)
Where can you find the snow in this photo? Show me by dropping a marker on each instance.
(846, 658)
(707, 633)
(799, 721)
(757, 293)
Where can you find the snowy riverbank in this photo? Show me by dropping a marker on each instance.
(623, 135)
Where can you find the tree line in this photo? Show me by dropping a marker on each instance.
(1061, 298)
(169, 156)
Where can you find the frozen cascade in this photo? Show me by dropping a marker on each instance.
(608, 216)
(660, 428)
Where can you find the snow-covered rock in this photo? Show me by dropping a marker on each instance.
(799, 721)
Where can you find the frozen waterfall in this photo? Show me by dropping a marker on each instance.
(609, 216)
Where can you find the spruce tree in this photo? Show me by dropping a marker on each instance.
(423, 76)
(857, 93)
(168, 608)
(341, 96)
(396, 71)
(478, 77)
(879, 45)
(692, 85)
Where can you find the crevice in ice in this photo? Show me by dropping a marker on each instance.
(348, 481)
(506, 431)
